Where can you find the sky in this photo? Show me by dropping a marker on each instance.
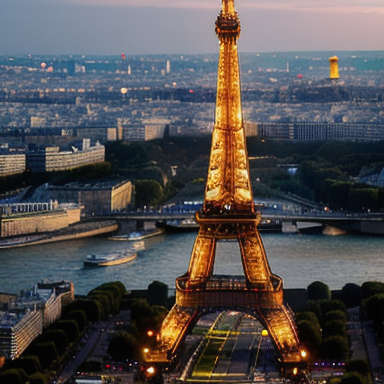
(142, 27)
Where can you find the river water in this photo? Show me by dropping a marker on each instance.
(298, 259)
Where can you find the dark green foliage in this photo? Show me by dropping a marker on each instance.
(58, 336)
(315, 307)
(338, 193)
(335, 328)
(318, 291)
(29, 364)
(145, 318)
(374, 307)
(109, 295)
(38, 378)
(351, 295)
(307, 316)
(79, 317)
(361, 367)
(335, 315)
(330, 305)
(9, 183)
(69, 327)
(370, 288)
(13, 376)
(148, 193)
(104, 302)
(335, 348)
(363, 199)
(158, 294)
(91, 307)
(124, 345)
(352, 378)
(310, 336)
(46, 352)
(140, 309)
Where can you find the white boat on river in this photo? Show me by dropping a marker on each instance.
(109, 258)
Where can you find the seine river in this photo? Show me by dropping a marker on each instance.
(299, 259)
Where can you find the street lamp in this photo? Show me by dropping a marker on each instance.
(264, 334)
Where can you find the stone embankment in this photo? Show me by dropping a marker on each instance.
(75, 231)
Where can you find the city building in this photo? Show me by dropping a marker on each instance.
(11, 163)
(51, 159)
(319, 131)
(96, 197)
(148, 130)
(28, 313)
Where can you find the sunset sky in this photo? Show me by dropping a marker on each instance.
(138, 27)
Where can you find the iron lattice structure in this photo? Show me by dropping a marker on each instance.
(229, 213)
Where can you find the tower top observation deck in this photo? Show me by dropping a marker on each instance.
(227, 23)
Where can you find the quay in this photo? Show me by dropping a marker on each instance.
(76, 231)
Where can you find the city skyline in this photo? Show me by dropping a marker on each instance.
(140, 27)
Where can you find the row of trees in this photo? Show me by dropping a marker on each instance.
(322, 328)
(54, 344)
(130, 342)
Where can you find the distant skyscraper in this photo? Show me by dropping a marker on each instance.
(168, 68)
(334, 67)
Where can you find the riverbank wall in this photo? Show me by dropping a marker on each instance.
(73, 232)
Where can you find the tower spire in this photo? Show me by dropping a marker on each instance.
(228, 184)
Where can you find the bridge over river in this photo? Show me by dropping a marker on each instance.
(369, 223)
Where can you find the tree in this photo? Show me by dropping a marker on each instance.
(158, 293)
(69, 327)
(38, 378)
(79, 317)
(46, 352)
(91, 307)
(375, 308)
(330, 305)
(310, 336)
(13, 376)
(363, 198)
(29, 364)
(335, 348)
(140, 309)
(370, 288)
(360, 367)
(318, 291)
(351, 295)
(308, 316)
(335, 315)
(352, 378)
(57, 336)
(148, 192)
(123, 346)
(335, 328)
(113, 293)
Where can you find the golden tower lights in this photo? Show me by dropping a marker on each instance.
(229, 213)
(334, 67)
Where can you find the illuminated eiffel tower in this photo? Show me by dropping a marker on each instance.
(228, 213)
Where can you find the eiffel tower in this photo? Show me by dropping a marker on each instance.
(228, 213)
